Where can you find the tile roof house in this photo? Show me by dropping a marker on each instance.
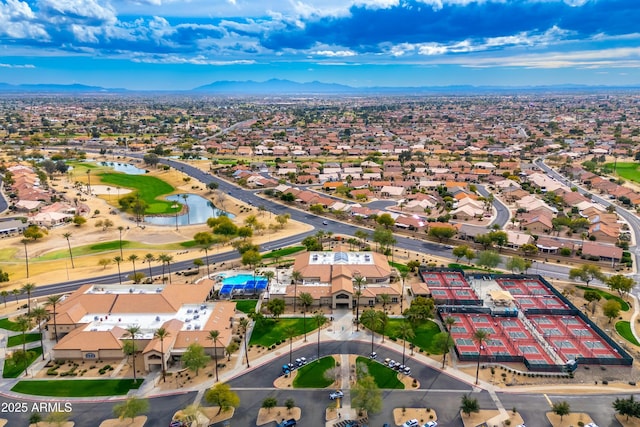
(603, 251)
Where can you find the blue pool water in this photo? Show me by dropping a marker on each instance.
(127, 168)
(240, 279)
(243, 284)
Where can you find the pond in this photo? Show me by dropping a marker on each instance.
(200, 209)
(124, 168)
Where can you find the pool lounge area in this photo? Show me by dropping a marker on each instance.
(241, 283)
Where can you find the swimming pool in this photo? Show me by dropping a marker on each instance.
(243, 284)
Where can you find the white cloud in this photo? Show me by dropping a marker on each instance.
(86, 34)
(610, 58)
(17, 20)
(335, 53)
(377, 4)
(17, 65)
(177, 59)
(71, 10)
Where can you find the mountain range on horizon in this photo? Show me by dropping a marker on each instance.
(279, 87)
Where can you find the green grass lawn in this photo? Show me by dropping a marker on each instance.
(283, 252)
(17, 339)
(246, 305)
(311, 375)
(267, 332)
(471, 267)
(624, 329)
(400, 267)
(626, 170)
(624, 306)
(149, 188)
(109, 246)
(13, 371)
(423, 338)
(77, 388)
(8, 324)
(384, 377)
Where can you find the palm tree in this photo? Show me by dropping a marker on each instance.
(269, 275)
(15, 293)
(449, 321)
(149, 258)
(53, 300)
(23, 324)
(213, 336)
(185, 197)
(40, 314)
(67, 236)
(26, 255)
(372, 320)
(405, 331)
(479, 336)
(403, 275)
(161, 334)
(205, 240)
(244, 327)
(133, 258)
(290, 332)
(118, 260)
(168, 259)
(358, 281)
(27, 289)
(163, 259)
(4, 294)
(383, 323)
(306, 300)
(320, 320)
(297, 277)
(120, 229)
(132, 330)
(384, 299)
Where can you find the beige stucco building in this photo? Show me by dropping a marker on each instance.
(92, 322)
(329, 278)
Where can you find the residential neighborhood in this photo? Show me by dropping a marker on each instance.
(246, 244)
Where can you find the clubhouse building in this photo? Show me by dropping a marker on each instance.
(330, 278)
(92, 322)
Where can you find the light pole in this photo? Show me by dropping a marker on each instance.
(176, 206)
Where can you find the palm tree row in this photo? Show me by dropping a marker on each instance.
(165, 259)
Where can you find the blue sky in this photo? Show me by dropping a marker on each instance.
(181, 44)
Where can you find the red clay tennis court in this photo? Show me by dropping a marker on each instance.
(531, 293)
(448, 287)
(507, 337)
(571, 337)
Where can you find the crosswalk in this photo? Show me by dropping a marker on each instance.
(352, 423)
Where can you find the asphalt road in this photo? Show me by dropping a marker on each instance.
(437, 389)
(91, 414)
(502, 211)
(430, 378)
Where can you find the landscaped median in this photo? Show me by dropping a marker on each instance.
(623, 327)
(77, 388)
(313, 374)
(384, 376)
